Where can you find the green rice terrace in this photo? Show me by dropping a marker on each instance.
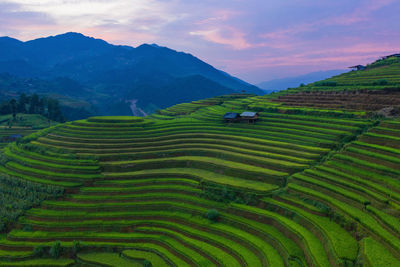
(302, 186)
(24, 124)
(374, 88)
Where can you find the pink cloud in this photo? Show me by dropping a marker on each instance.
(319, 58)
(119, 36)
(228, 36)
(358, 15)
(219, 16)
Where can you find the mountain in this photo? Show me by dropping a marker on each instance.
(290, 82)
(111, 75)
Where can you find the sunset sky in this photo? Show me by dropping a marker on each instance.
(256, 40)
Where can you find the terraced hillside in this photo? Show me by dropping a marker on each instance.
(300, 187)
(23, 125)
(372, 89)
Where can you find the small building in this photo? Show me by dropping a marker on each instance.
(231, 117)
(15, 136)
(11, 138)
(393, 55)
(358, 67)
(249, 116)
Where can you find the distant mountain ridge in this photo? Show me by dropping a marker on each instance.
(295, 81)
(111, 74)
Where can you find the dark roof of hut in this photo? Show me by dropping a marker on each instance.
(231, 115)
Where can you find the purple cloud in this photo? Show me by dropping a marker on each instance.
(253, 39)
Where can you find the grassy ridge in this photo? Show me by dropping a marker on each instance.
(147, 188)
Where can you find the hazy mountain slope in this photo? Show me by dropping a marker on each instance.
(290, 82)
(109, 76)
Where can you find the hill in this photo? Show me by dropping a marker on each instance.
(376, 88)
(302, 186)
(295, 81)
(24, 124)
(105, 75)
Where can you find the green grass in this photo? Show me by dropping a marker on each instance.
(229, 167)
(335, 179)
(343, 244)
(50, 174)
(144, 180)
(39, 180)
(377, 255)
(335, 189)
(222, 257)
(363, 218)
(39, 263)
(115, 119)
(378, 147)
(200, 175)
(374, 155)
(367, 186)
(179, 137)
(40, 163)
(383, 136)
(108, 259)
(311, 242)
(152, 257)
(363, 163)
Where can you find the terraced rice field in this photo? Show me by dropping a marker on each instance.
(379, 75)
(351, 100)
(24, 125)
(6, 134)
(290, 190)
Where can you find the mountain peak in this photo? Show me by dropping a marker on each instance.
(70, 38)
(6, 39)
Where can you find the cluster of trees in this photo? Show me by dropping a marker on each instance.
(34, 104)
(225, 194)
(17, 196)
(55, 250)
(326, 83)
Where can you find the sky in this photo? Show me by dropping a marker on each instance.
(255, 40)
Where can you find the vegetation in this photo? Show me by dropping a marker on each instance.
(303, 186)
(34, 104)
(18, 195)
(212, 215)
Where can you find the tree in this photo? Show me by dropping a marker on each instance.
(76, 247)
(39, 251)
(54, 111)
(55, 250)
(13, 104)
(22, 102)
(5, 108)
(212, 215)
(33, 104)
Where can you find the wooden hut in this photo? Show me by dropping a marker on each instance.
(249, 117)
(231, 117)
(357, 67)
(11, 138)
(392, 55)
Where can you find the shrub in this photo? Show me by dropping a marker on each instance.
(18, 195)
(27, 228)
(326, 83)
(146, 263)
(76, 247)
(225, 194)
(55, 250)
(212, 215)
(39, 251)
(381, 82)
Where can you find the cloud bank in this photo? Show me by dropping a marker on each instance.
(254, 39)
